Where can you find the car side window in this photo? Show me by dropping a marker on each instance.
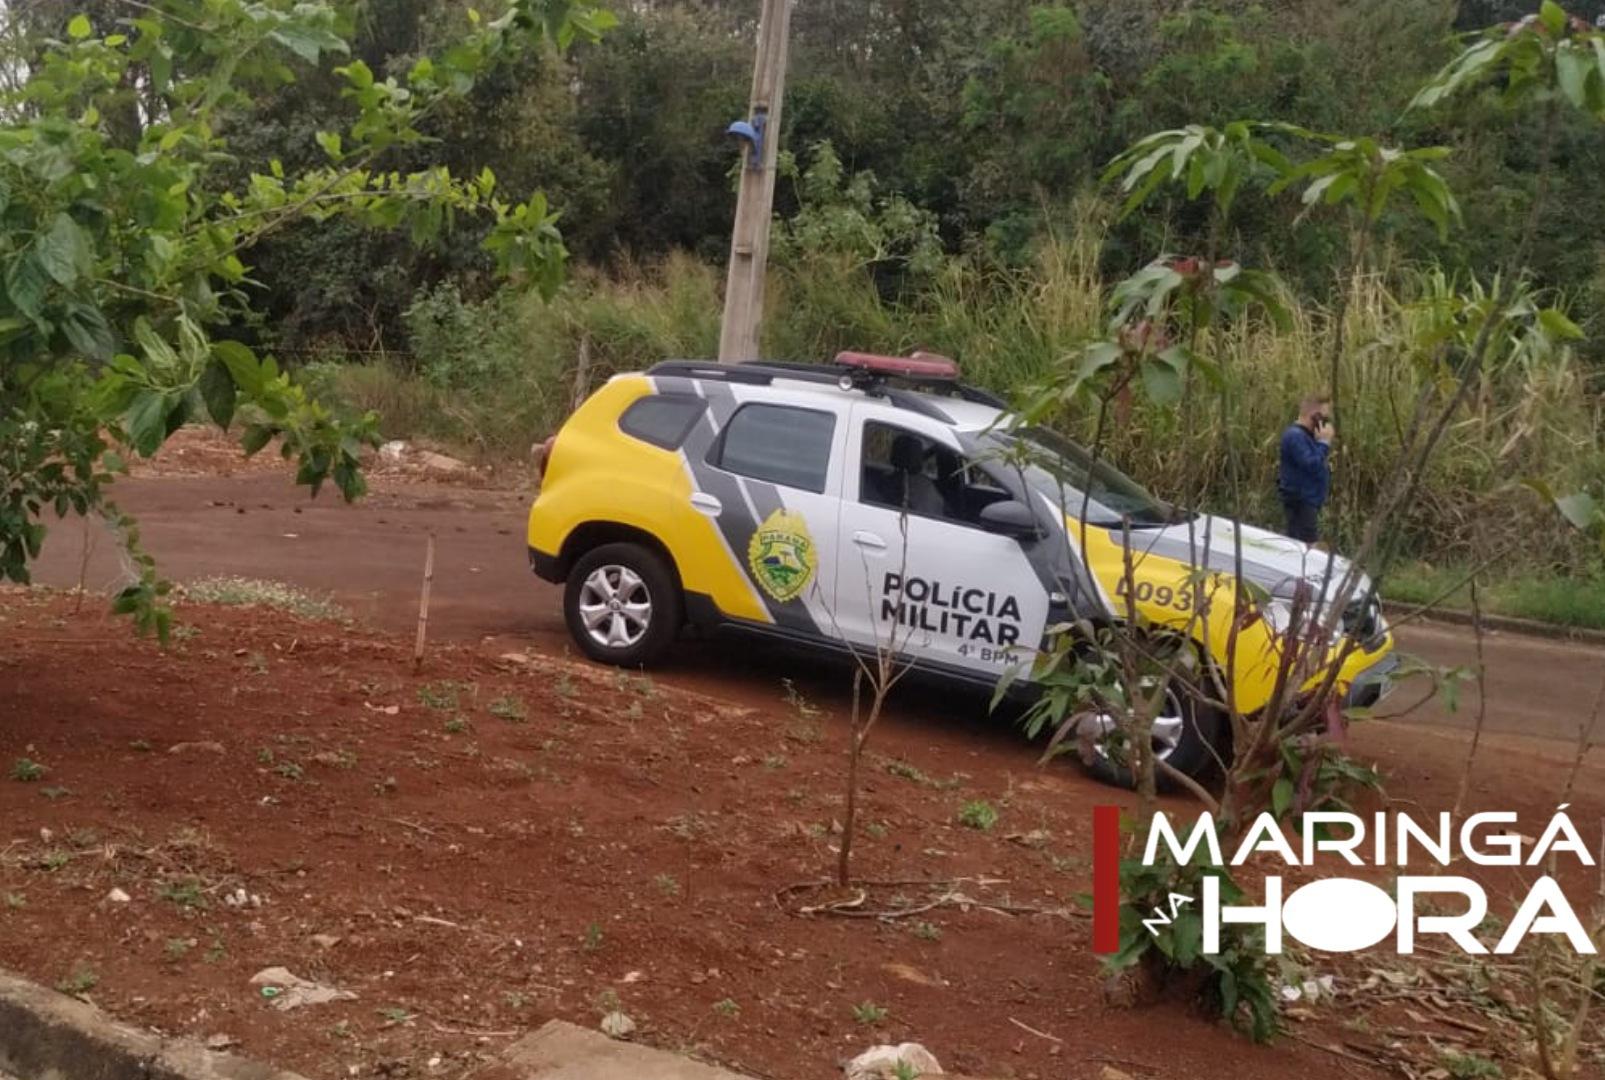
(901, 470)
(662, 419)
(779, 443)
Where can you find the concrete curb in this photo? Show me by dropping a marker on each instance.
(49, 1036)
(562, 1051)
(1507, 624)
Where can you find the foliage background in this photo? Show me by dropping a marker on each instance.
(942, 192)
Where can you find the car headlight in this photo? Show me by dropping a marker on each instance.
(1362, 616)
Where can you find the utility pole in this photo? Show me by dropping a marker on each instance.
(749, 240)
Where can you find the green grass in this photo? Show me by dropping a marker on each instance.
(978, 814)
(251, 592)
(27, 771)
(1563, 601)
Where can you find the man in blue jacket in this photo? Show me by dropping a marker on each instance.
(1305, 476)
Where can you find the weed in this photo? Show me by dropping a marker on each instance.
(907, 771)
(608, 1001)
(564, 687)
(774, 761)
(805, 727)
(289, 770)
(140, 746)
(978, 814)
(904, 1071)
(27, 771)
(642, 684)
(513, 999)
(442, 695)
(80, 982)
(876, 829)
(55, 859)
(509, 708)
(667, 884)
(687, 826)
(635, 712)
(185, 893)
(264, 756)
(727, 1007)
(216, 951)
(342, 1030)
(83, 838)
(16, 901)
(927, 931)
(257, 663)
(395, 1014)
(455, 726)
(178, 948)
(384, 787)
(54, 793)
(1469, 1066)
(249, 592)
(867, 1012)
(593, 938)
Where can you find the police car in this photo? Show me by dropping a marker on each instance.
(882, 500)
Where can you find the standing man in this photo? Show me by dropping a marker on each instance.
(1305, 476)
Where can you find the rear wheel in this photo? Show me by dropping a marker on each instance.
(622, 604)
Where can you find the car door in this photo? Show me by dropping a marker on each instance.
(917, 572)
(771, 479)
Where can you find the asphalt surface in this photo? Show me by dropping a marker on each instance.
(370, 556)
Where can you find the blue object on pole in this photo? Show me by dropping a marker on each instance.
(752, 131)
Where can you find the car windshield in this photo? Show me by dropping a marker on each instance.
(1067, 475)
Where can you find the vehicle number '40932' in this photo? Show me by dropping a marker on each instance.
(1146, 592)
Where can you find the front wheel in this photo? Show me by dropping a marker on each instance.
(1187, 735)
(622, 604)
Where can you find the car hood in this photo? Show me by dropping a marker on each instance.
(1272, 561)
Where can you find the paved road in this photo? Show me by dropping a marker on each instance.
(371, 555)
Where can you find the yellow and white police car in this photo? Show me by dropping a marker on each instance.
(880, 499)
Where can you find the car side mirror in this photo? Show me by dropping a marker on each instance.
(1010, 517)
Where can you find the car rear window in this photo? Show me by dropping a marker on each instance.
(662, 419)
(781, 444)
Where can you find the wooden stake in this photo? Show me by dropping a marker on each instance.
(749, 239)
(423, 605)
(582, 373)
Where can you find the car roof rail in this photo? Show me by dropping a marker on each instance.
(765, 372)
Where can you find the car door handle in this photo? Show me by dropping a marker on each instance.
(707, 504)
(869, 540)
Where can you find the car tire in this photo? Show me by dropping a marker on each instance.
(1199, 747)
(622, 604)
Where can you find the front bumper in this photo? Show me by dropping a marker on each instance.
(1373, 682)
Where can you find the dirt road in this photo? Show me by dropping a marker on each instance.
(370, 556)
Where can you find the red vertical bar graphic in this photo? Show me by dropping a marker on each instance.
(1105, 879)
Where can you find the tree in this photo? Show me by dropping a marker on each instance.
(127, 221)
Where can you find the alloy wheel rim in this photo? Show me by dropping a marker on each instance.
(615, 606)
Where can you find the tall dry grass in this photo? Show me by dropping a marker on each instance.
(1534, 419)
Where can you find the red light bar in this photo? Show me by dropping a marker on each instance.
(921, 365)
